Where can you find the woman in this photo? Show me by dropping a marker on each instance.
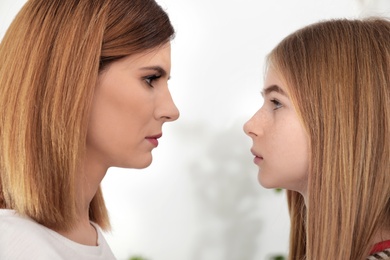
(83, 87)
(323, 134)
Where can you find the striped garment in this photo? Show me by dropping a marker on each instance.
(383, 255)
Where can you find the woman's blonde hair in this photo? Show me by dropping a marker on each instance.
(50, 59)
(338, 76)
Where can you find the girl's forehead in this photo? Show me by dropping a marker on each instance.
(274, 82)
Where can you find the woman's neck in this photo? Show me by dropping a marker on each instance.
(82, 233)
(90, 177)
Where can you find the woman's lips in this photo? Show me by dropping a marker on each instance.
(153, 139)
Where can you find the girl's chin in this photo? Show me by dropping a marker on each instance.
(267, 183)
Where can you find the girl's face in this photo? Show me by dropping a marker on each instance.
(131, 103)
(280, 143)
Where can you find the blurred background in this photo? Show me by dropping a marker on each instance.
(200, 199)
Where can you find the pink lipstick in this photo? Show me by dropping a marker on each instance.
(153, 139)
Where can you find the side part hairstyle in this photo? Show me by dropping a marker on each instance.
(50, 59)
(338, 76)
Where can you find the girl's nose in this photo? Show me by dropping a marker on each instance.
(248, 126)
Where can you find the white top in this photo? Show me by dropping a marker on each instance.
(23, 238)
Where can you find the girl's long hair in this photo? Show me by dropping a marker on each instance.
(50, 59)
(338, 76)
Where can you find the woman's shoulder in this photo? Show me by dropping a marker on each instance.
(12, 225)
(23, 238)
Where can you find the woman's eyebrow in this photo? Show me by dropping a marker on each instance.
(273, 88)
(158, 69)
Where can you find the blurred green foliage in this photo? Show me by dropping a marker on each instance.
(138, 258)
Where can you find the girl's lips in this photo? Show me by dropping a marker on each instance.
(258, 158)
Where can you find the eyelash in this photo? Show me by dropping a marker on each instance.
(149, 79)
(276, 103)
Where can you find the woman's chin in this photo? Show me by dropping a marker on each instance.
(140, 163)
(144, 165)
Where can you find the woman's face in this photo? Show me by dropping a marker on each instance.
(131, 103)
(280, 143)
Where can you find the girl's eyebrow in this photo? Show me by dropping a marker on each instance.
(158, 69)
(272, 88)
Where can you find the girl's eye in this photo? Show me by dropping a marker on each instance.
(150, 79)
(276, 103)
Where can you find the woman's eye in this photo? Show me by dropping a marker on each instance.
(276, 103)
(150, 79)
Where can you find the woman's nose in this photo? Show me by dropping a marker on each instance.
(167, 109)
